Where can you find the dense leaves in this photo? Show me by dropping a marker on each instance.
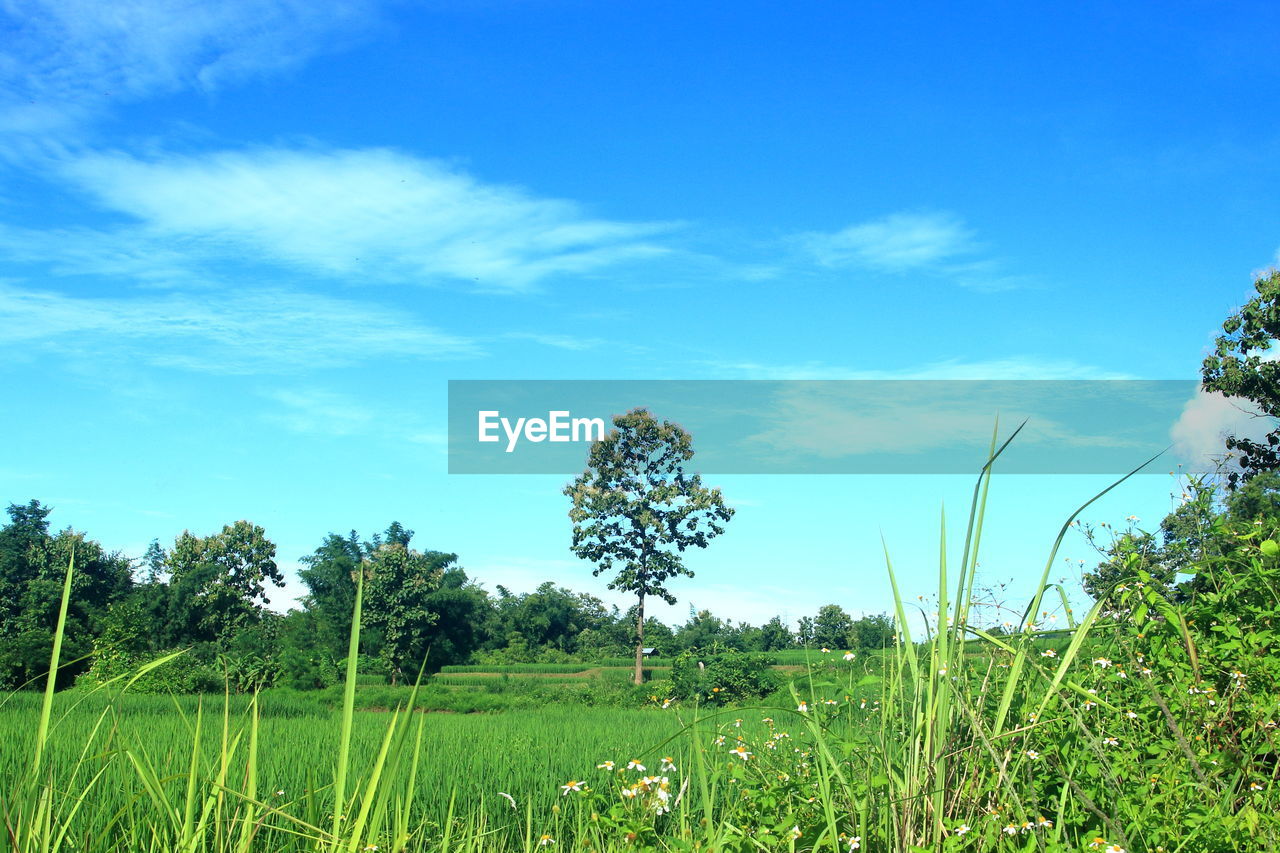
(719, 677)
(635, 510)
(1207, 528)
(1243, 365)
(218, 582)
(32, 565)
(206, 596)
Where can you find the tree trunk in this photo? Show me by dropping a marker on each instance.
(640, 642)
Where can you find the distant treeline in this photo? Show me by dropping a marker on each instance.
(209, 595)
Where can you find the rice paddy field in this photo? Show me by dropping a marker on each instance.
(470, 756)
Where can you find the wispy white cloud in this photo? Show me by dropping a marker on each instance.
(69, 60)
(114, 254)
(1200, 433)
(369, 215)
(923, 408)
(932, 243)
(900, 242)
(1209, 418)
(1020, 367)
(573, 343)
(947, 419)
(317, 411)
(237, 332)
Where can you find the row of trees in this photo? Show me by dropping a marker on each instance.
(634, 511)
(210, 594)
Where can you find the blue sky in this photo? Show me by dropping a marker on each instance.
(244, 245)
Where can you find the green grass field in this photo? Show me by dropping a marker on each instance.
(474, 756)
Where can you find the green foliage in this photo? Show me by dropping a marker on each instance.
(182, 674)
(722, 678)
(549, 620)
(329, 576)
(206, 595)
(218, 583)
(804, 631)
(1149, 726)
(774, 636)
(306, 658)
(1242, 366)
(400, 585)
(416, 603)
(832, 628)
(1206, 529)
(635, 510)
(461, 608)
(874, 631)
(1234, 608)
(32, 566)
(705, 630)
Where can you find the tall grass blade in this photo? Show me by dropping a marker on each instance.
(46, 709)
(193, 777)
(1019, 661)
(348, 711)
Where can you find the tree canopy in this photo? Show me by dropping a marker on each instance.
(635, 510)
(1244, 365)
(1208, 525)
(206, 596)
(220, 580)
(33, 562)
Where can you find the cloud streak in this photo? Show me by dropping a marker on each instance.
(901, 243)
(315, 411)
(237, 332)
(916, 418)
(69, 60)
(1021, 367)
(370, 215)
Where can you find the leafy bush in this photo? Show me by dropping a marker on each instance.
(722, 678)
(307, 669)
(186, 673)
(250, 673)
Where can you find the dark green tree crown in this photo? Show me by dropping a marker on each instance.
(1243, 365)
(635, 509)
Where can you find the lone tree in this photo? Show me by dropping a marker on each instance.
(635, 510)
(1244, 365)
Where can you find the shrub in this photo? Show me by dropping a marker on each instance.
(307, 669)
(184, 674)
(722, 678)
